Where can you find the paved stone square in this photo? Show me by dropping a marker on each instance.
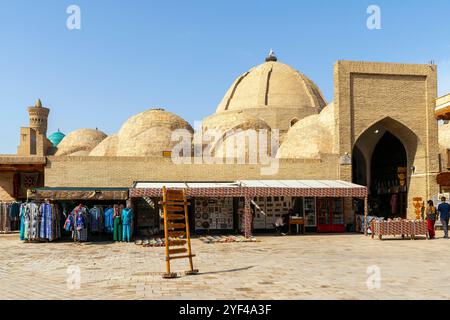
(297, 267)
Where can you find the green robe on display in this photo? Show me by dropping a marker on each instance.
(117, 229)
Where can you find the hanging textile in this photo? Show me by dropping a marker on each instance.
(4, 217)
(78, 223)
(109, 220)
(50, 222)
(127, 221)
(14, 211)
(117, 223)
(96, 219)
(9, 216)
(32, 222)
(22, 221)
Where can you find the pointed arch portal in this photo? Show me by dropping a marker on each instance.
(380, 155)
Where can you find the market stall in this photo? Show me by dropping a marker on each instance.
(83, 214)
(212, 205)
(251, 189)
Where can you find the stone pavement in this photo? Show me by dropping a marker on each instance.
(297, 267)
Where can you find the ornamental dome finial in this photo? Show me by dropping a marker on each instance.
(271, 56)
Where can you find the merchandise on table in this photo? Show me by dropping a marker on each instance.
(399, 227)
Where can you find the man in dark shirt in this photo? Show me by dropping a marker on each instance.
(444, 213)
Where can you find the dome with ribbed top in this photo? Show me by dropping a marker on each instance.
(274, 92)
(273, 85)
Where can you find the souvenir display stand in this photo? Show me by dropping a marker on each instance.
(213, 213)
(267, 211)
(309, 205)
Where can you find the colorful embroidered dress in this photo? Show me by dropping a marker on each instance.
(78, 223)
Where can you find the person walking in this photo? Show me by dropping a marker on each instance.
(444, 213)
(431, 218)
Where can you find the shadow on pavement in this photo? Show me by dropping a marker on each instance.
(226, 271)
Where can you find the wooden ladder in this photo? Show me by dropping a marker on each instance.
(174, 203)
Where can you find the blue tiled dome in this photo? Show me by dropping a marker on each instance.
(56, 138)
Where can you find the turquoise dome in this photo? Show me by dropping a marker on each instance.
(56, 138)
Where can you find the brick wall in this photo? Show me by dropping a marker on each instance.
(123, 171)
(6, 186)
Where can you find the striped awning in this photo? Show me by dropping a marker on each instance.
(78, 194)
(193, 189)
(303, 188)
(255, 188)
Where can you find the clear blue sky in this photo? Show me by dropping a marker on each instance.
(183, 55)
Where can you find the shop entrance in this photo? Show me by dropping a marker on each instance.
(330, 215)
(388, 187)
(380, 162)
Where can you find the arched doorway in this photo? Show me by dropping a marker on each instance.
(359, 167)
(381, 157)
(387, 195)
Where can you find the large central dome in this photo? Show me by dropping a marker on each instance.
(275, 93)
(273, 85)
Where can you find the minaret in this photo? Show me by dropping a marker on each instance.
(39, 118)
(33, 140)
